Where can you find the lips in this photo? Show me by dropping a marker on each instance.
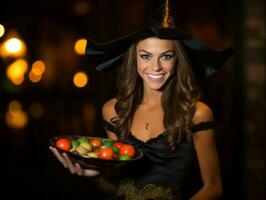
(155, 76)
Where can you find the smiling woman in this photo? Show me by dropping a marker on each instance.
(158, 109)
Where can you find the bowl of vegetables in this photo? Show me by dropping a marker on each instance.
(95, 151)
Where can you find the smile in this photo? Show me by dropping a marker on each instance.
(155, 76)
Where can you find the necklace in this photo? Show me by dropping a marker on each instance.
(147, 126)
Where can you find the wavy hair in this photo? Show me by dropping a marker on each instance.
(180, 95)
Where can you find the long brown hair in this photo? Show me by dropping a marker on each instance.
(178, 100)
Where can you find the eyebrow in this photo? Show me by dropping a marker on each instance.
(168, 51)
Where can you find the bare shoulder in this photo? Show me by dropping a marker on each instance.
(203, 113)
(108, 110)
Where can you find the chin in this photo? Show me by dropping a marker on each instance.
(156, 86)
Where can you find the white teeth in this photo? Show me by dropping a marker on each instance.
(155, 76)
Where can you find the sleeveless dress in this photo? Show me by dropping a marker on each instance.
(158, 175)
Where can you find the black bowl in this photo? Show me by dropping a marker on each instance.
(92, 162)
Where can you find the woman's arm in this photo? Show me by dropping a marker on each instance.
(108, 112)
(205, 146)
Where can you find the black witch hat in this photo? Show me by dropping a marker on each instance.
(204, 61)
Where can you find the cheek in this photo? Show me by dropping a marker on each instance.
(170, 67)
(141, 66)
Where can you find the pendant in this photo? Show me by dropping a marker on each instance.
(147, 126)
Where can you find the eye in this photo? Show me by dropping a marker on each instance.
(167, 56)
(145, 56)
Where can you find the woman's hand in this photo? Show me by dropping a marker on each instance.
(74, 168)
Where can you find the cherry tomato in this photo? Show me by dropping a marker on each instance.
(127, 149)
(63, 143)
(96, 143)
(118, 144)
(106, 153)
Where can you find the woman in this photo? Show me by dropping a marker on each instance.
(158, 110)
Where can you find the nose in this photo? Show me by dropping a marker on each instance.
(157, 65)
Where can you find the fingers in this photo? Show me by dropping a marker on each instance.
(73, 168)
(69, 164)
(86, 172)
(64, 159)
(79, 170)
(91, 172)
(58, 156)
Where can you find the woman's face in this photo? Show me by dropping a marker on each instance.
(156, 59)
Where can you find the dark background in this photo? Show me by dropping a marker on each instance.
(50, 29)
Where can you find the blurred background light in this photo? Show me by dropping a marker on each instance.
(13, 47)
(35, 78)
(15, 116)
(38, 67)
(80, 46)
(13, 107)
(80, 79)
(16, 70)
(2, 30)
(81, 8)
(37, 70)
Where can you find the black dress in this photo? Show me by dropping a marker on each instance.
(159, 174)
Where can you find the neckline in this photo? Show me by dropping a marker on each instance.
(161, 135)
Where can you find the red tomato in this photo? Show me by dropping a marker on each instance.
(106, 153)
(118, 144)
(63, 143)
(127, 149)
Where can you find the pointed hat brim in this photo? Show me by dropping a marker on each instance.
(204, 61)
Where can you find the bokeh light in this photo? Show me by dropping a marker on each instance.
(13, 107)
(38, 67)
(13, 47)
(35, 78)
(16, 70)
(15, 116)
(81, 7)
(80, 46)
(2, 30)
(80, 79)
